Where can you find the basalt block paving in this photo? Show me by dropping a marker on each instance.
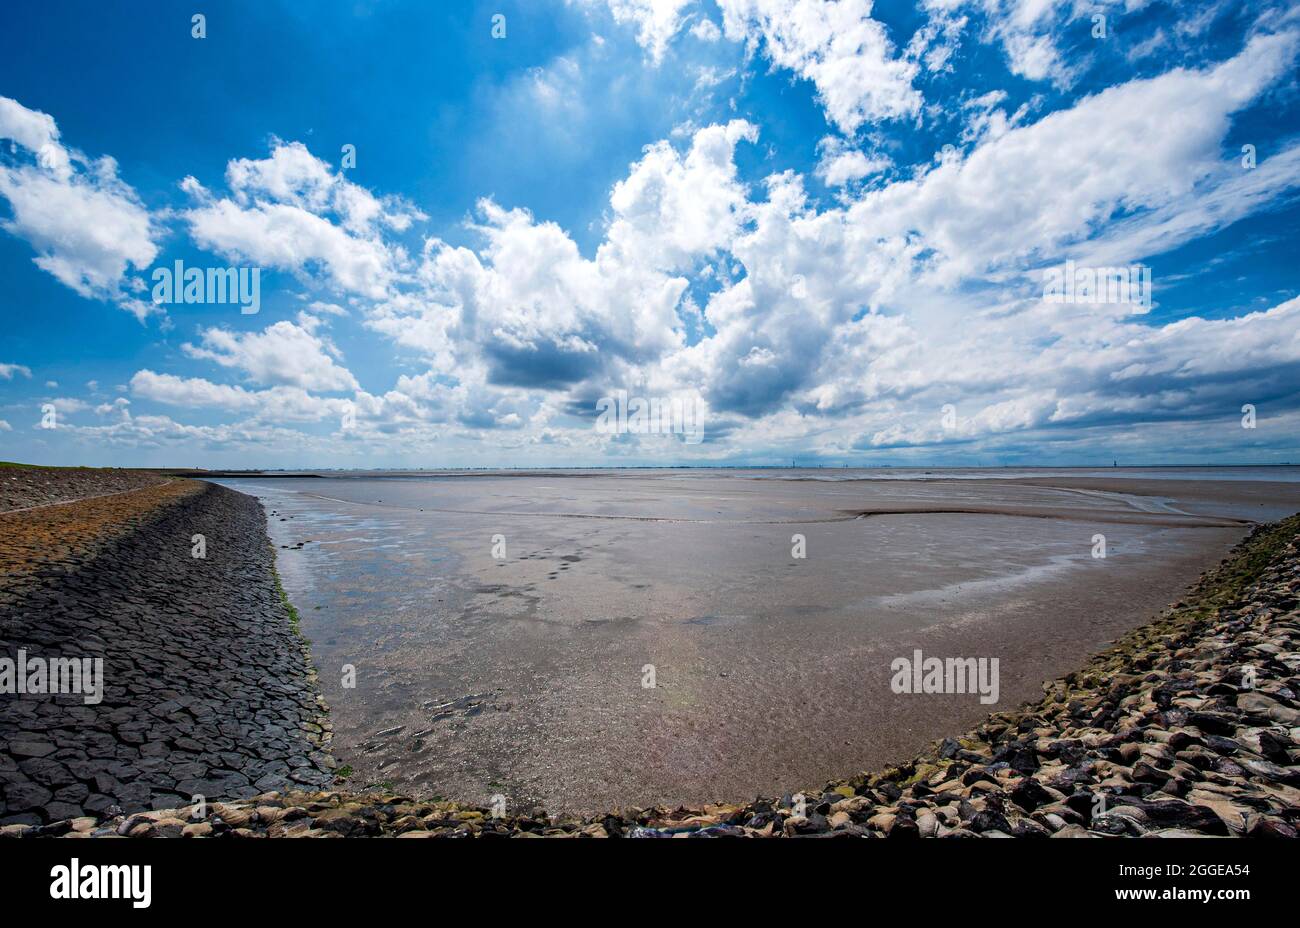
(207, 689)
(22, 487)
(57, 539)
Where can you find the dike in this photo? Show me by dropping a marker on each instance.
(207, 688)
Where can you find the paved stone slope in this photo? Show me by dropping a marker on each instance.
(207, 688)
(22, 487)
(58, 539)
(1190, 726)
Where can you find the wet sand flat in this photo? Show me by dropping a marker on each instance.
(522, 676)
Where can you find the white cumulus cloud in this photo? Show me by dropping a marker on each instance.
(88, 227)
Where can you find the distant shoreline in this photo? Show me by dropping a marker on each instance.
(542, 471)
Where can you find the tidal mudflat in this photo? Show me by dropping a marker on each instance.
(522, 676)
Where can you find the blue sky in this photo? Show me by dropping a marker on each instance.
(823, 226)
